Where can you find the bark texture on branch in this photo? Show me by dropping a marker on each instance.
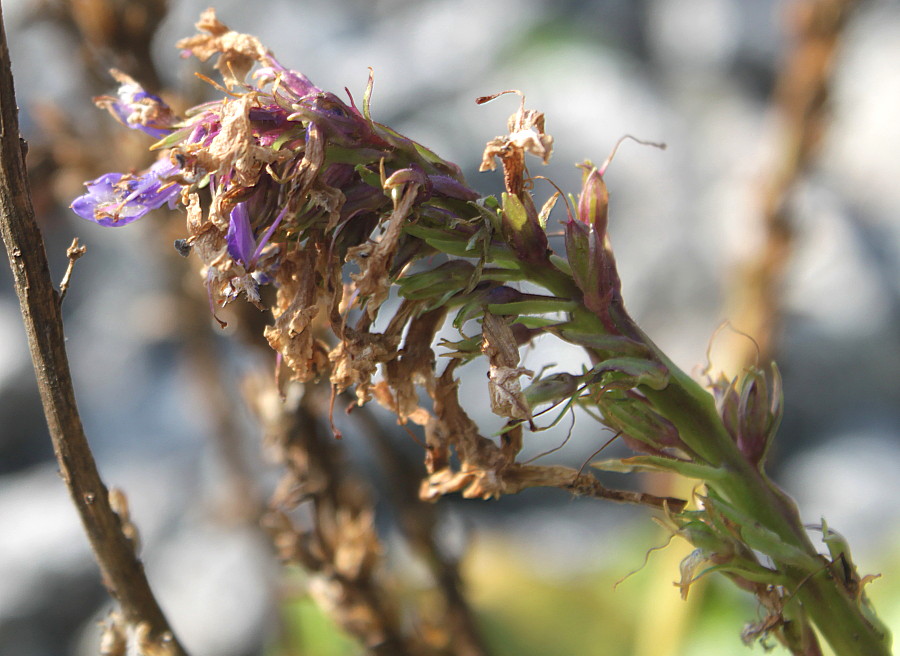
(122, 571)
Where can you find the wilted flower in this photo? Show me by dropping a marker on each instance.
(136, 108)
(286, 184)
(116, 199)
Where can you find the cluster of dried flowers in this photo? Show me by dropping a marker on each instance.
(288, 187)
(302, 204)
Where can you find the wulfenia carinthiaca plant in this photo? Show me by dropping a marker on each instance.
(298, 202)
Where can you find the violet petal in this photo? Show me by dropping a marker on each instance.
(241, 244)
(116, 199)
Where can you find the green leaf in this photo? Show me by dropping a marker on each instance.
(600, 342)
(543, 306)
(658, 464)
(758, 537)
(450, 276)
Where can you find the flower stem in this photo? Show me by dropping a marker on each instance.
(834, 610)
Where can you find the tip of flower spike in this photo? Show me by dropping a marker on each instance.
(593, 203)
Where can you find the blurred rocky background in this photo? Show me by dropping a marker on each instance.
(697, 74)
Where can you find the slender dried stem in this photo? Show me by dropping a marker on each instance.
(123, 572)
(419, 522)
(800, 98)
(335, 542)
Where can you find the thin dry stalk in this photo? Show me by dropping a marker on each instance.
(800, 97)
(418, 520)
(335, 542)
(122, 571)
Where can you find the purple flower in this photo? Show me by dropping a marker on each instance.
(138, 109)
(242, 246)
(117, 199)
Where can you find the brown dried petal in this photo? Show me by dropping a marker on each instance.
(234, 150)
(356, 548)
(374, 258)
(295, 308)
(526, 135)
(356, 358)
(238, 52)
(415, 366)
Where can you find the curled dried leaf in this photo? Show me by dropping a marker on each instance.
(414, 366)
(296, 306)
(356, 358)
(501, 348)
(374, 258)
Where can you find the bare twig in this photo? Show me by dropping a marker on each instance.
(123, 573)
(74, 253)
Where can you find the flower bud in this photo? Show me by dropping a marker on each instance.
(760, 413)
(593, 203)
(750, 410)
(589, 253)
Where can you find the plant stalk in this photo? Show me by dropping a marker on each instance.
(123, 572)
(830, 605)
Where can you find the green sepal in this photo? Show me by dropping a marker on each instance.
(450, 276)
(334, 154)
(635, 418)
(367, 175)
(173, 138)
(537, 322)
(561, 263)
(463, 349)
(553, 388)
(637, 371)
(521, 229)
